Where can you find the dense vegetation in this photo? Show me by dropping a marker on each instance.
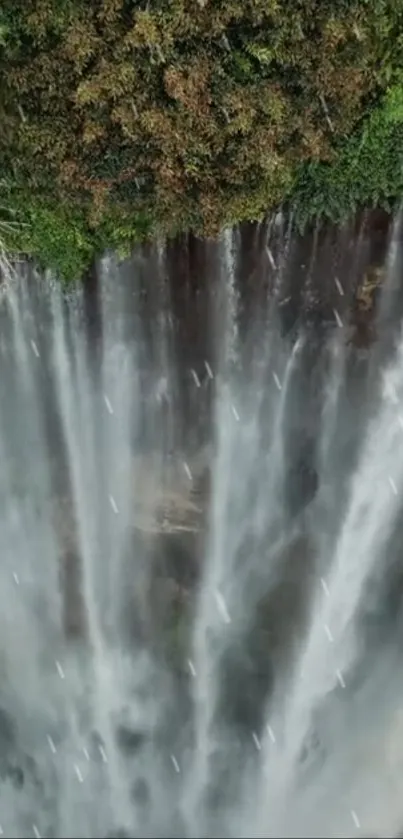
(124, 118)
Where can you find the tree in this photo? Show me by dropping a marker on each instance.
(130, 117)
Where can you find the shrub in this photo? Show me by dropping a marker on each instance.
(120, 120)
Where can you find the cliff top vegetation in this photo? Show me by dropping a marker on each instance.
(122, 119)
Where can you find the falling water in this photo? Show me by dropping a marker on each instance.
(202, 642)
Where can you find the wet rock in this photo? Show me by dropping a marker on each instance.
(362, 331)
(9, 767)
(171, 610)
(169, 502)
(129, 739)
(141, 792)
(282, 613)
(246, 670)
(303, 484)
(7, 733)
(368, 291)
(74, 620)
(302, 479)
(288, 311)
(312, 753)
(16, 776)
(176, 558)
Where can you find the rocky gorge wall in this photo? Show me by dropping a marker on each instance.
(328, 279)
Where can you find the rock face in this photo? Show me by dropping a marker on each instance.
(74, 616)
(302, 479)
(362, 330)
(167, 524)
(169, 496)
(319, 291)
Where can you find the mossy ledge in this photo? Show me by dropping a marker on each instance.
(125, 120)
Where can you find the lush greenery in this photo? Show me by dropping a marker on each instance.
(367, 169)
(124, 118)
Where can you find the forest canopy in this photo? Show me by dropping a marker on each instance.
(122, 119)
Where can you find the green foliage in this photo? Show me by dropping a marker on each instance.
(120, 231)
(59, 236)
(121, 119)
(367, 170)
(54, 234)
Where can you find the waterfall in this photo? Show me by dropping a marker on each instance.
(201, 622)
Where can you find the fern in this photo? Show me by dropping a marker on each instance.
(262, 54)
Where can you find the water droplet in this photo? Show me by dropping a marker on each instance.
(78, 773)
(338, 318)
(209, 370)
(392, 485)
(339, 286)
(271, 258)
(196, 378)
(113, 505)
(192, 668)
(176, 764)
(108, 404)
(340, 679)
(324, 586)
(103, 754)
(271, 733)
(187, 470)
(235, 413)
(222, 608)
(60, 670)
(35, 349)
(355, 819)
(256, 741)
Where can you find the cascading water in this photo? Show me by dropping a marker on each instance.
(193, 657)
